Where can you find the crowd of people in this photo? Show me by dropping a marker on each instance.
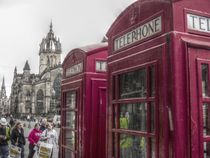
(12, 132)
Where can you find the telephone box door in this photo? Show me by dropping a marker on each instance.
(98, 118)
(199, 109)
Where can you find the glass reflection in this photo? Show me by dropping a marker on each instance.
(69, 139)
(152, 81)
(68, 153)
(206, 119)
(152, 147)
(133, 84)
(152, 117)
(206, 149)
(205, 80)
(71, 99)
(70, 119)
(133, 116)
(132, 146)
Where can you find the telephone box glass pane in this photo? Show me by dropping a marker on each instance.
(132, 146)
(70, 119)
(101, 66)
(133, 84)
(205, 80)
(133, 116)
(115, 121)
(152, 141)
(152, 81)
(206, 149)
(68, 153)
(71, 99)
(70, 139)
(206, 119)
(152, 117)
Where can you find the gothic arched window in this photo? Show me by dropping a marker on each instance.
(40, 102)
(28, 96)
(48, 60)
(55, 60)
(51, 61)
(28, 102)
(57, 86)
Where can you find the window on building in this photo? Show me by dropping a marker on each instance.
(101, 66)
(57, 86)
(28, 102)
(40, 102)
(134, 112)
(205, 108)
(69, 111)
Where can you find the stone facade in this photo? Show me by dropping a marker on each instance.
(4, 101)
(39, 93)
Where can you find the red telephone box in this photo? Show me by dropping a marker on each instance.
(83, 109)
(159, 80)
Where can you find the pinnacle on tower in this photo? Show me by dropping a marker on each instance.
(51, 26)
(15, 70)
(3, 90)
(26, 67)
(3, 84)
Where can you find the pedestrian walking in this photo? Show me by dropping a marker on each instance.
(28, 118)
(12, 121)
(33, 139)
(4, 138)
(18, 138)
(43, 124)
(50, 136)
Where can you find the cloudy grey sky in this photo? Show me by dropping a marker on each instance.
(25, 22)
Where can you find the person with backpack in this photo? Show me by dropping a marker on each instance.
(4, 138)
(18, 138)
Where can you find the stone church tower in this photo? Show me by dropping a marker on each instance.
(3, 90)
(39, 93)
(50, 51)
(4, 101)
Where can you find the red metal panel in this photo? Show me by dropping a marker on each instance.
(97, 135)
(178, 84)
(72, 86)
(102, 123)
(89, 122)
(130, 63)
(139, 13)
(196, 58)
(194, 105)
(180, 8)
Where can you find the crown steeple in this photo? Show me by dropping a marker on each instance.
(50, 51)
(50, 44)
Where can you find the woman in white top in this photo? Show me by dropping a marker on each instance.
(50, 136)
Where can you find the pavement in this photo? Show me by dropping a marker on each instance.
(27, 131)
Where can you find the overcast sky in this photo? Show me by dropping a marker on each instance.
(23, 24)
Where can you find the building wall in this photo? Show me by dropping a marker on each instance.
(40, 86)
(28, 104)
